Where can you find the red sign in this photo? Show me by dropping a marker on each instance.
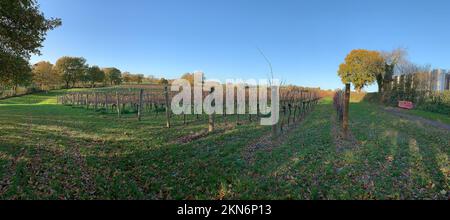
(405, 104)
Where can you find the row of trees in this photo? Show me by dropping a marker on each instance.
(73, 71)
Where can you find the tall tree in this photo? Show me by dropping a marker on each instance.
(150, 79)
(127, 77)
(138, 78)
(22, 30)
(45, 76)
(18, 73)
(71, 69)
(392, 59)
(189, 77)
(95, 75)
(113, 75)
(135, 78)
(163, 81)
(361, 68)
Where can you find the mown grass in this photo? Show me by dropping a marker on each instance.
(431, 115)
(401, 159)
(49, 151)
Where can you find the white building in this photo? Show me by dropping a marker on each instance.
(436, 80)
(441, 80)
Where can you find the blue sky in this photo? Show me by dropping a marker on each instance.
(305, 40)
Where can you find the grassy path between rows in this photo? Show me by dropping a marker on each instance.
(48, 151)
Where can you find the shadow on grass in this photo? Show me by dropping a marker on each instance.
(402, 154)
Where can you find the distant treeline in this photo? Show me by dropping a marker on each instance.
(69, 72)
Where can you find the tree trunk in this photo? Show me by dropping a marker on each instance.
(14, 90)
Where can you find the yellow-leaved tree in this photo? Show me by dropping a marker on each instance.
(361, 68)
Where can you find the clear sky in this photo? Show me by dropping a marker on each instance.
(305, 40)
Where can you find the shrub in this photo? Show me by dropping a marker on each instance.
(438, 102)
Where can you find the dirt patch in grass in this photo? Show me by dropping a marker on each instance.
(192, 137)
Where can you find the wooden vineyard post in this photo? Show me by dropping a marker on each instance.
(280, 124)
(118, 104)
(224, 109)
(141, 96)
(310, 102)
(95, 101)
(237, 112)
(106, 102)
(295, 118)
(211, 117)
(289, 114)
(224, 115)
(274, 131)
(123, 101)
(346, 109)
(284, 115)
(274, 126)
(166, 94)
(300, 105)
(295, 107)
(258, 111)
(148, 105)
(87, 100)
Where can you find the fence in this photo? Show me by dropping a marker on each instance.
(295, 103)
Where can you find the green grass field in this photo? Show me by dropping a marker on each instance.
(431, 115)
(50, 151)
